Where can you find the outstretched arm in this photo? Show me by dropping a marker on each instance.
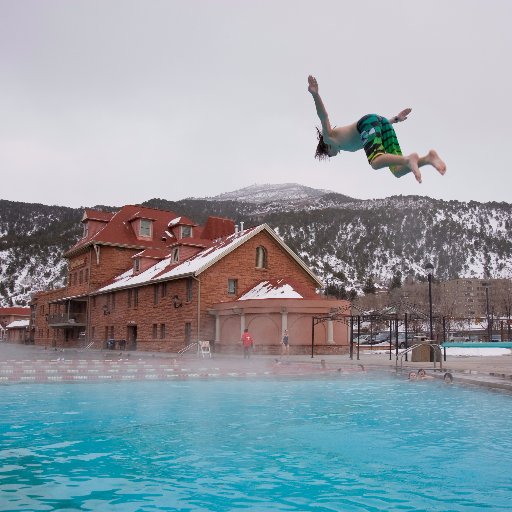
(320, 109)
(402, 116)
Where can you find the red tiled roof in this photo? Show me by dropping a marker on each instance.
(157, 254)
(15, 311)
(119, 231)
(182, 220)
(191, 241)
(217, 227)
(90, 214)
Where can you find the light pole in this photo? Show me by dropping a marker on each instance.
(486, 285)
(429, 269)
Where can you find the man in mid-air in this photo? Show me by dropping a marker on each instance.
(376, 135)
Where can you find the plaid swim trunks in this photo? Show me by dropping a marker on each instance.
(378, 137)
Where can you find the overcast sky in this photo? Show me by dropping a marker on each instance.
(119, 101)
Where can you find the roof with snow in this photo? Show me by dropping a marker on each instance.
(17, 324)
(276, 289)
(195, 265)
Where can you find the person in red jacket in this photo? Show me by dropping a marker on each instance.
(247, 342)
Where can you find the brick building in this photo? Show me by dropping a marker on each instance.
(152, 280)
(9, 315)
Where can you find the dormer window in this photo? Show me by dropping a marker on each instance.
(261, 257)
(186, 231)
(145, 228)
(136, 264)
(175, 257)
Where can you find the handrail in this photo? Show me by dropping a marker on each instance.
(87, 347)
(188, 347)
(433, 345)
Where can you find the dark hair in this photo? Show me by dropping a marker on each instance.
(321, 150)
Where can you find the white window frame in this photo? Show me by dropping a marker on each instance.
(146, 228)
(232, 286)
(186, 231)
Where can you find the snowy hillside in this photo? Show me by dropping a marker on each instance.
(345, 241)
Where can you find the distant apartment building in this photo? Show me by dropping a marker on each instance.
(148, 279)
(471, 298)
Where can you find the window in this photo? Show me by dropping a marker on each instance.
(189, 290)
(113, 306)
(129, 298)
(112, 332)
(86, 230)
(94, 301)
(155, 294)
(232, 286)
(136, 297)
(261, 257)
(145, 227)
(80, 277)
(163, 289)
(136, 264)
(106, 332)
(155, 331)
(175, 255)
(186, 231)
(162, 331)
(86, 278)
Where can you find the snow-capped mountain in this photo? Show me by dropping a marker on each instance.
(269, 193)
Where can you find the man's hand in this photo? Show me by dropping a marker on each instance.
(403, 115)
(313, 85)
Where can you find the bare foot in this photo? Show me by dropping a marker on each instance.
(412, 163)
(433, 159)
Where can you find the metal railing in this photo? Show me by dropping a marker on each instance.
(436, 347)
(68, 319)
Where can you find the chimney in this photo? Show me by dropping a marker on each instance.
(236, 230)
(241, 226)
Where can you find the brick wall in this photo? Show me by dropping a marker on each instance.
(241, 264)
(124, 315)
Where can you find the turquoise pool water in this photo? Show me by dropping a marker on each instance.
(347, 444)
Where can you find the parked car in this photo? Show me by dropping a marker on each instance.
(363, 338)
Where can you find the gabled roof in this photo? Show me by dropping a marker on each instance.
(197, 264)
(18, 324)
(273, 289)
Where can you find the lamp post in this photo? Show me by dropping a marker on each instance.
(429, 269)
(486, 285)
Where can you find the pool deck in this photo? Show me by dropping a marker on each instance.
(29, 364)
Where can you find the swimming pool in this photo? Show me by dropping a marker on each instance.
(351, 444)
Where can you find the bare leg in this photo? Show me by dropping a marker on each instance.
(432, 158)
(410, 162)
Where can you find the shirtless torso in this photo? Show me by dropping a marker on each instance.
(345, 138)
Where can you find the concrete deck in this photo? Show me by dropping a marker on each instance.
(20, 363)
